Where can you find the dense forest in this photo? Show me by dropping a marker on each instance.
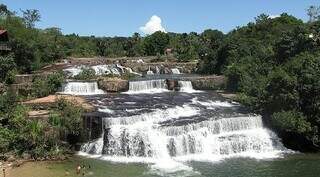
(273, 64)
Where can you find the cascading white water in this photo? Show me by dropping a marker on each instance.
(142, 138)
(150, 72)
(148, 86)
(73, 71)
(157, 70)
(101, 69)
(81, 88)
(115, 69)
(175, 71)
(186, 86)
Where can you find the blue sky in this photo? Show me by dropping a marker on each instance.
(124, 17)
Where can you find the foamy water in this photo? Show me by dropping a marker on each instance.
(81, 88)
(176, 131)
(147, 87)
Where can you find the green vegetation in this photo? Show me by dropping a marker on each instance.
(66, 118)
(274, 65)
(20, 135)
(86, 74)
(42, 87)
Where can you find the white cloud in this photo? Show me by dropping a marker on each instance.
(153, 25)
(274, 16)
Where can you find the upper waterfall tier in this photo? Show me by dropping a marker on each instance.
(81, 88)
(148, 86)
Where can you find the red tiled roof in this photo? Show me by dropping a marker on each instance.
(2, 31)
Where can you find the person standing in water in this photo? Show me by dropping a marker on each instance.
(4, 172)
(78, 169)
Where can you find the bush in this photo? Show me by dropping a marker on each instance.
(5, 135)
(44, 87)
(291, 121)
(7, 64)
(19, 135)
(86, 74)
(55, 81)
(10, 77)
(67, 117)
(40, 88)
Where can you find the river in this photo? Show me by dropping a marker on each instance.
(151, 131)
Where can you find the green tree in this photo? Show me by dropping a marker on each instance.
(31, 16)
(313, 13)
(291, 121)
(156, 43)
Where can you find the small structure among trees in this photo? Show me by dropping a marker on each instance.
(4, 39)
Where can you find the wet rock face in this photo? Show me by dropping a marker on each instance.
(209, 82)
(113, 85)
(173, 85)
(28, 78)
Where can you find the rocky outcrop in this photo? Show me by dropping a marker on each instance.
(46, 103)
(39, 115)
(172, 84)
(28, 78)
(208, 82)
(113, 84)
(21, 89)
(212, 82)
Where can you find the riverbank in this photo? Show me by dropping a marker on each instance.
(90, 167)
(293, 165)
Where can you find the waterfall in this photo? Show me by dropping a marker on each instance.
(141, 137)
(157, 70)
(175, 71)
(150, 72)
(101, 69)
(115, 69)
(148, 86)
(73, 71)
(81, 88)
(186, 86)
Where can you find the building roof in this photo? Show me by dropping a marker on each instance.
(3, 32)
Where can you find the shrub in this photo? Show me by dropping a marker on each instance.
(40, 88)
(44, 87)
(291, 121)
(6, 64)
(67, 117)
(10, 77)
(55, 81)
(86, 74)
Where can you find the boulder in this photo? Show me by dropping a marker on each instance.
(172, 85)
(26, 156)
(11, 158)
(113, 85)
